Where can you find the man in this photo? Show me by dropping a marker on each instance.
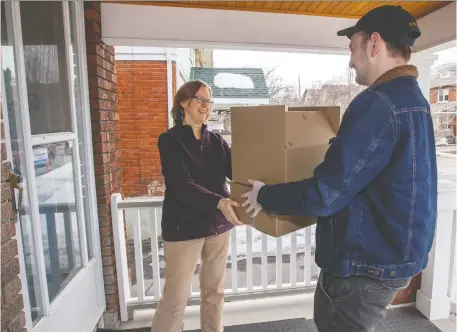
(375, 193)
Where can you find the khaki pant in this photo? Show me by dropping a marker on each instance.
(180, 262)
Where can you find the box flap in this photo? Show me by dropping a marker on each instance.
(258, 151)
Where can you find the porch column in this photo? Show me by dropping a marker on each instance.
(433, 299)
(424, 62)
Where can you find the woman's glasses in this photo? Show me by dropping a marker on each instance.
(201, 100)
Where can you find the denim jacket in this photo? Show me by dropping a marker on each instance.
(375, 193)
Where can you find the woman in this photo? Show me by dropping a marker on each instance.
(197, 213)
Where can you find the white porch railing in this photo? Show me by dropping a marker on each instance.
(258, 265)
(437, 297)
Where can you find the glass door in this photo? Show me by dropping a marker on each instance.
(42, 76)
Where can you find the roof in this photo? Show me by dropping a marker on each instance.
(439, 81)
(347, 9)
(444, 108)
(233, 82)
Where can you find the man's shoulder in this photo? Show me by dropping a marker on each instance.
(401, 94)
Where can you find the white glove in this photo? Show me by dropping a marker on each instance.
(251, 198)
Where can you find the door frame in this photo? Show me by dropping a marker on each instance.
(88, 264)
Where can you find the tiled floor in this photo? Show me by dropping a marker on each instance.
(406, 319)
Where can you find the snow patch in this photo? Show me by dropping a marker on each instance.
(237, 81)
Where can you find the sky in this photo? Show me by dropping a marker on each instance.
(309, 67)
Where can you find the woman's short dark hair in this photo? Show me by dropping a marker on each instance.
(187, 91)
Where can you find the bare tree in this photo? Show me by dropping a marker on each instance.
(280, 92)
(338, 91)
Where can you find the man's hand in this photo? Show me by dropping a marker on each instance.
(226, 206)
(251, 198)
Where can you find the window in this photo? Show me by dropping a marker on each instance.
(443, 96)
(445, 74)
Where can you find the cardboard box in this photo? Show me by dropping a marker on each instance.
(277, 144)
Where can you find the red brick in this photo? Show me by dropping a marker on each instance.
(7, 211)
(105, 137)
(8, 231)
(6, 166)
(143, 112)
(18, 324)
(112, 302)
(107, 251)
(91, 6)
(108, 260)
(110, 289)
(11, 311)
(93, 15)
(5, 192)
(408, 295)
(10, 270)
(11, 290)
(104, 221)
(9, 251)
(108, 270)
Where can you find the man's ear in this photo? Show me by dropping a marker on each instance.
(377, 42)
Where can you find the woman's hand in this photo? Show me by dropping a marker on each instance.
(226, 206)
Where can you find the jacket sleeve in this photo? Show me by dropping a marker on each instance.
(361, 150)
(177, 178)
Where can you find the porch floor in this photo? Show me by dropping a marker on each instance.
(406, 319)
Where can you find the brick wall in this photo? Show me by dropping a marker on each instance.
(434, 95)
(143, 116)
(105, 133)
(12, 303)
(408, 295)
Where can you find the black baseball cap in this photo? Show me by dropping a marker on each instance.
(393, 23)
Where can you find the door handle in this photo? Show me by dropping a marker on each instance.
(16, 183)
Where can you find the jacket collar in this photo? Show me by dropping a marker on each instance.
(400, 71)
(187, 129)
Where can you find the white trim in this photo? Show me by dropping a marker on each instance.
(143, 57)
(134, 25)
(94, 321)
(52, 138)
(241, 312)
(88, 152)
(6, 124)
(438, 27)
(170, 86)
(240, 101)
(75, 155)
(120, 252)
(23, 277)
(9, 154)
(28, 156)
(266, 47)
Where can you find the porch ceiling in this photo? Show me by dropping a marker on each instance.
(178, 25)
(345, 9)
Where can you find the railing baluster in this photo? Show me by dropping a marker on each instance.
(249, 270)
(133, 218)
(155, 257)
(53, 250)
(234, 260)
(120, 250)
(293, 259)
(452, 289)
(264, 262)
(279, 262)
(69, 239)
(307, 266)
